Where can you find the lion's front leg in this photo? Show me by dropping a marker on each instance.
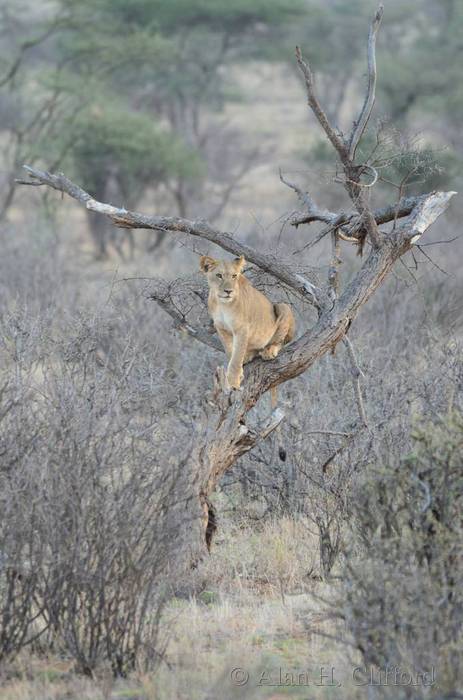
(235, 366)
(227, 341)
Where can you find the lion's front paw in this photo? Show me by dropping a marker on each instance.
(234, 378)
(270, 352)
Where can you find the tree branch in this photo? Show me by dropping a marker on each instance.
(365, 114)
(425, 214)
(130, 219)
(313, 213)
(161, 295)
(314, 104)
(333, 324)
(351, 221)
(346, 152)
(250, 436)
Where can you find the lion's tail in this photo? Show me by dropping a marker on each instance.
(273, 400)
(273, 397)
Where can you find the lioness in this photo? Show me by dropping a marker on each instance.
(248, 324)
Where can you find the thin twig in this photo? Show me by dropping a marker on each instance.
(432, 261)
(449, 240)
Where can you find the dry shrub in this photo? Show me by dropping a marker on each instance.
(403, 574)
(92, 502)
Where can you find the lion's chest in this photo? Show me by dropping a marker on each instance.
(223, 319)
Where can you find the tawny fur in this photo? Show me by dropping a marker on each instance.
(248, 324)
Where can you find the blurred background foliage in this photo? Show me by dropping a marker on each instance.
(122, 95)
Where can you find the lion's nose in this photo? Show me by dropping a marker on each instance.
(228, 291)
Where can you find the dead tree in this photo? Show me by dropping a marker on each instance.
(225, 431)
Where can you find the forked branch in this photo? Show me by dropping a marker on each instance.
(346, 148)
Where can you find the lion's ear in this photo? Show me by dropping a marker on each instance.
(240, 263)
(207, 263)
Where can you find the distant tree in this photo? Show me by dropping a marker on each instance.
(167, 60)
(431, 62)
(120, 154)
(422, 87)
(32, 103)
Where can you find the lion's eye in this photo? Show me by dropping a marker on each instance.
(219, 275)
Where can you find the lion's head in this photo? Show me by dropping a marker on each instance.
(223, 276)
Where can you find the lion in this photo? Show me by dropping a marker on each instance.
(248, 324)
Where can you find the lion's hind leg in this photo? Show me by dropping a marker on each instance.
(284, 332)
(286, 324)
(270, 352)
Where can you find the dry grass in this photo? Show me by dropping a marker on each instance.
(275, 558)
(255, 608)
